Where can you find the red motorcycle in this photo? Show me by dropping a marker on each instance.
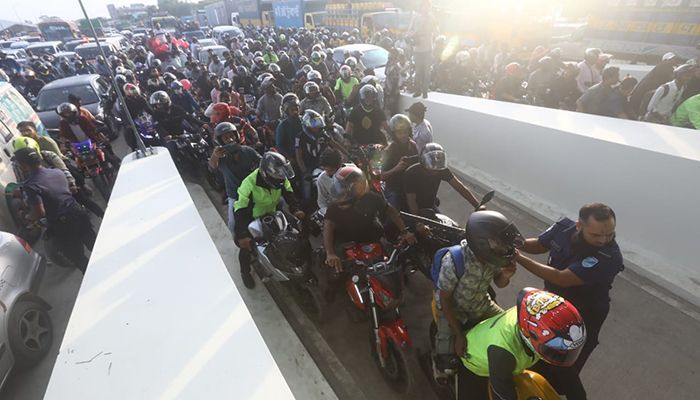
(376, 287)
(368, 158)
(90, 158)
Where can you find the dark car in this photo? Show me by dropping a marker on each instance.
(89, 88)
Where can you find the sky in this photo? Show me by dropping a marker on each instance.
(21, 10)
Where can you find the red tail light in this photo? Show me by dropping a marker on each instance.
(24, 244)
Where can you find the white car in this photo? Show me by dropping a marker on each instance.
(373, 57)
(218, 50)
(206, 42)
(218, 31)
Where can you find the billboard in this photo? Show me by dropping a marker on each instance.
(288, 14)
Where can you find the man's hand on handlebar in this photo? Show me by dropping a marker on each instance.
(422, 229)
(408, 237)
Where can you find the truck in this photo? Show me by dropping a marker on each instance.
(297, 13)
(367, 16)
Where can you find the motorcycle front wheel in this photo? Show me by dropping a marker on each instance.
(400, 365)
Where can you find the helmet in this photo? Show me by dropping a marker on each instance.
(683, 70)
(316, 57)
(225, 84)
(258, 54)
(159, 98)
(311, 88)
(29, 73)
(219, 112)
(513, 69)
(26, 154)
(492, 237)
(24, 142)
(169, 77)
(186, 84)
(349, 183)
(592, 54)
(351, 62)
(312, 122)
(275, 169)
(400, 122)
(314, 75)
(433, 157)
(120, 70)
(176, 86)
(355, 31)
(303, 60)
(368, 97)
(307, 68)
(314, 48)
(546, 63)
(120, 79)
(131, 90)
(129, 75)
(274, 68)
(67, 110)
(267, 82)
(550, 326)
(225, 128)
(156, 63)
(462, 57)
(386, 42)
(241, 71)
(259, 61)
(289, 100)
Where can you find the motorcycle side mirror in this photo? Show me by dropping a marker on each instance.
(487, 197)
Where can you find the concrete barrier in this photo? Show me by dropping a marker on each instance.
(553, 161)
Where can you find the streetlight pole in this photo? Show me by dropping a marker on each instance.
(142, 151)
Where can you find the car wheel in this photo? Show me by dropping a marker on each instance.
(30, 333)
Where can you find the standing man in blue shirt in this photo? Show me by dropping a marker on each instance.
(584, 259)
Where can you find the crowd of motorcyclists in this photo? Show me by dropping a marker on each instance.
(281, 124)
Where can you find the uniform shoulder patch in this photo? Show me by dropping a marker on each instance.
(589, 262)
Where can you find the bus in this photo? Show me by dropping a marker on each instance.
(58, 30)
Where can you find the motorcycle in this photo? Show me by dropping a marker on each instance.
(369, 159)
(443, 232)
(146, 127)
(375, 286)
(90, 158)
(282, 253)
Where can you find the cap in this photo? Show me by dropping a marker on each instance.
(417, 107)
(668, 56)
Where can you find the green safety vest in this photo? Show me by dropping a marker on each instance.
(500, 330)
(264, 200)
(346, 87)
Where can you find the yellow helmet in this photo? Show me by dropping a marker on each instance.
(24, 141)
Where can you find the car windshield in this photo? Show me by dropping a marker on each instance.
(91, 53)
(43, 49)
(51, 98)
(204, 55)
(193, 34)
(70, 46)
(375, 58)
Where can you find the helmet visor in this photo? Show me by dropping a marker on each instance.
(434, 160)
(281, 171)
(561, 352)
(506, 243)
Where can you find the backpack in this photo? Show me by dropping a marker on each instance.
(457, 257)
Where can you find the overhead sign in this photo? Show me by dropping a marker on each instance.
(288, 14)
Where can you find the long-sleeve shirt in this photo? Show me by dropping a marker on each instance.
(688, 113)
(588, 76)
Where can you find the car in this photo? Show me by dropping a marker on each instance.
(18, 55)
(20, 44)
(26, 330)
(188, 35)
(5, 44)
(90, 88)
(206, 42)
(45, 48)
(72, 44)
(218, 50)
(89, 51)
(373, 57)
(232, 31)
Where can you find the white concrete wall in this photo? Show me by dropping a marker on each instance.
(157, 315)
(553, 161)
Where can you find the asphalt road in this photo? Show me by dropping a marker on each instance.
(648, 344)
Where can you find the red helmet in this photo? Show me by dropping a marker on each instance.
(513, 69)
(186, 84)
(551, 326)
(349, 184)
(221, 112)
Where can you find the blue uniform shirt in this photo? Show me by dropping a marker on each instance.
(597, 271)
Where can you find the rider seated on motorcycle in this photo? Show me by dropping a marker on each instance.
(170, 118)
(183, 98)
(354, 215)
(80, 125)
(233, 160)
(326, 91)
(289, 128)
(330, 162)
(460, 300)
(541, 326)
(398, 156)
(313, 100)
(259, 195)
(345, 84)
(510, 87)
(422, 181)
(268, 109)
(367, 123)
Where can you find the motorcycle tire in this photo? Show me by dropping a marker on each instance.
(400, 368)
(102, 185)
(311, 301)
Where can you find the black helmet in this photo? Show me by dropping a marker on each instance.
(493, 237)
(349, 183)
(159, 98)
(67, 110)
(368, 97)
(225, 84)
(400, 122)
(275, 169)
(433, 157)
(274, 68)
(120, 79)
(225, 128)
(241, 71)
(289, 100)
(169, 77)
(311, 88)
